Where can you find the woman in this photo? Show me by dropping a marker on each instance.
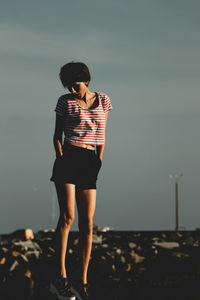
(82, 116)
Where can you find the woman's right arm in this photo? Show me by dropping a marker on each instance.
(57, 138)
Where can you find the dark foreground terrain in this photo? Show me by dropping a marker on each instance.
(124, 265)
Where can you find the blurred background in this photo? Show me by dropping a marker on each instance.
(145, 55)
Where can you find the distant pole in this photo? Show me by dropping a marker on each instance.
(176, 193)
(176, 178)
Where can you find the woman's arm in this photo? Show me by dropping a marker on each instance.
(57, 138)
(100, 149)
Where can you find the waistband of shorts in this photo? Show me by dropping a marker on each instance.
(67, 145)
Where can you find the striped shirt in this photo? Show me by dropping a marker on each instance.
(82, 125)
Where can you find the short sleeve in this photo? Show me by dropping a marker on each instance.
(107, 105)
(60, 107)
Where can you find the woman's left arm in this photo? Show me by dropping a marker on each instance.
(100, 148)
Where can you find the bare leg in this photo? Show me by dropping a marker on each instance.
(66, 199)
(86, 203)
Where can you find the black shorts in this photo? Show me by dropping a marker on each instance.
(77, 165)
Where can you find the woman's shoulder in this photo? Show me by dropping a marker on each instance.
(64, 99)
(105, 100)
(102, 95)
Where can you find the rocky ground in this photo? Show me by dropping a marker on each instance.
(124, 265)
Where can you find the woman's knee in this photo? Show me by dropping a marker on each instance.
(67, 219)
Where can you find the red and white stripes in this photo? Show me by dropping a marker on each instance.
(83, 125)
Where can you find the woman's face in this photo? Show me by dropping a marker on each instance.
(78, 88)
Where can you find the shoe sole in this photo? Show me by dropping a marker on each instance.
(78, 296)
(53, 290)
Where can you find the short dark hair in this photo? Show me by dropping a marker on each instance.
(74, 71)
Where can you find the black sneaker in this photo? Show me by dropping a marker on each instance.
(80, 290)
(61, 287)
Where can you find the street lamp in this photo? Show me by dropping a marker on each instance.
(175, 178)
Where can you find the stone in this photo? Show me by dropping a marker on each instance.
(103, 257)
(128, 268)
(101, 229)
(32, 253)
(105, 245)
(122, 258)
(121, 261)
(4, 249)
(97, 239)
(28, 245)
(180, 254)
(113, 268)
(111, 255)
(179, 234)
(167, 245)
(14, 265)
(132, 245)
(137, 258)
(2, 261)
(51, 250)
(189, 241)
(22, 258)
(28, 273)
(76, 241)
(15, 253)
(23, 234)
(118, 251)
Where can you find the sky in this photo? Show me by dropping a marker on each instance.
(145, 55)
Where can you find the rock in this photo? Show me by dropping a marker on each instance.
(167, 245)
(2, 261)
(103, 257)
(132, 245)
(28, 245)
(28, 273)
(196, 244)
(113, 268)
(105, 245)
(19, 257)
(22, 258)
(128, 268)
(111, 255)
(118, 251)
(23, 234)
(122, 258)
(4, 249)
(76, 241)
(97, 239)
(189, 241)
(155, 239)
(15, 253)
(179, 234)
(51, 250)
(139, 248)
(180, 255)
(101, 229)
(14, 265)
(33, 253)
(137, 259)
